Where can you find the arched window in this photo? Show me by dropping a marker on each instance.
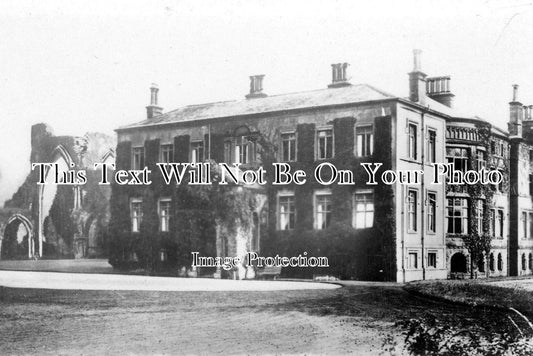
(458, 263)
(523, 262)
(500, 262)
(491, 262)
(530, 262)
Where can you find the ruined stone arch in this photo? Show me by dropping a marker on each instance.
(108, 157)
(48, 191)
(8, 247)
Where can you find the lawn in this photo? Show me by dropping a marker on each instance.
(358, 319)
(478, 292)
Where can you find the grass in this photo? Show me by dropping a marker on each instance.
(354, 319)
(477, 293)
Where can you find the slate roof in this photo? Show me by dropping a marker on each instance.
(300, 100)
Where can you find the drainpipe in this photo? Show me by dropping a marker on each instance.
(422, 227)
(403, 230)
(209, 140)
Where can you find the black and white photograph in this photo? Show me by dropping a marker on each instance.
(294, 177)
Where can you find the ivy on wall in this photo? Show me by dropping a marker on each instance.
(352, 253)
(478, 241)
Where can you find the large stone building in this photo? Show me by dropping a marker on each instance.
(398, 232)
(57, 220)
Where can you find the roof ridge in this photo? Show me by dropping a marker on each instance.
(283, 101)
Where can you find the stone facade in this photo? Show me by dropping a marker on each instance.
(362, 229)
(399, 232)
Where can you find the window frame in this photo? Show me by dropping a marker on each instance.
(291, 142)
(169, 149)
(364, 144)
(412, 141)
(142, 162)
(431, 148)
(160, 213)
(138, 218)
(416, 264)
(412, 215)
(463, 216)
(479, 210)
(436, 254)
(481, 163)
(317, 143)
(366, 213)
(501, 223)
(433, 221)
(464, 159)
(194, 146)
(286, 194)
(327, 213)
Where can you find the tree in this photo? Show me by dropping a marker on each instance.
(478, 246)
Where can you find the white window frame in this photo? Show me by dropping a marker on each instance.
(412, 210)
(291, 142)
(462, 209)
(282, 195)
(136, 220)
(321, 193)
(317, 143)
(412, 141)
(410, 253)
(368, 214)
(453, 158)
(362, 151)
(193, 152)
(430, 159)
(431, 215)
(133, 155)
(164, 220)
(167, 148)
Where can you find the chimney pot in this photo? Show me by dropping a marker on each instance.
(153, 94)
(517, 114)
(338, 75)
(417, 80)
(438, 89)
(515, 92)
(417, 65)
(153, 109)
(256, 87)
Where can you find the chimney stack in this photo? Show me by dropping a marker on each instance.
(153, 110)
(438, 89)
(338, 75)
(516, 114)
(256, 87)
(417, 80)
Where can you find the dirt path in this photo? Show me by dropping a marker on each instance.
(83, 281)
(357, 319)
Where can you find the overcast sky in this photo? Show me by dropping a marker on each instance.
(87, 66)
